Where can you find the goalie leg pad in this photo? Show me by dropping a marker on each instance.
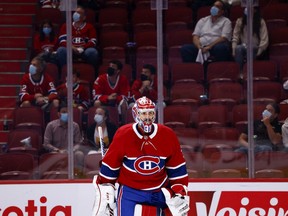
(104, 202)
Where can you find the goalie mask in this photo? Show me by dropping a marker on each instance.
(144, 113)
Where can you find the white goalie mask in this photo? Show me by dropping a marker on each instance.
(144, 113)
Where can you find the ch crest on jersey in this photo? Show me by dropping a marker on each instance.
(147, 165)
(78, 40)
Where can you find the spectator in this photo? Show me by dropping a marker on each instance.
(37, 88)
(211, 37)
(285, 86)
(146, 85)
(112, 89)
(101, 119)
(260, 40)
(56, 136)
(50, 3)
(81, 98)
(45, 42)
(267, 132)
(84, 40)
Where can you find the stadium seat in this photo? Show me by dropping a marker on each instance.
(278, 35)
(223, 71)
(87, 72)
(178, 38)
(53, 166)
(92, 164)
(188, 137)
(16, 166)
(178, 14)
(212, 116)
(262, 70)
(113, 38)
(192, 71)
(147, 38)
(177, 115)
(113, 52)
(279, 54)
(269, 173)
(120, 15)
(267, 92)
(226, 173)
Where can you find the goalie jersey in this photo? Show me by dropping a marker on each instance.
(144, 162)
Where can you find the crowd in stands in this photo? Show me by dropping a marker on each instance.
(214, 38)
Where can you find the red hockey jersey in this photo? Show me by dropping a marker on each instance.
(29, 88)
(84, 37)
(144, 162)
(102, 88)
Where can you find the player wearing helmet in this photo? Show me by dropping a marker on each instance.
(145, 158)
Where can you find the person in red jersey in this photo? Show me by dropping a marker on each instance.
(81, 98)
(145, 159)
(84, 40)
(37, 88)
(112, 89)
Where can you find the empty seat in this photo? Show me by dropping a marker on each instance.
(113, 52)
(87, 72)
(223, 71)
(53, 166)
(187, 93)
(115, 38)
(279, 54)
(278, 35)
(178, 38)
(269, 173)
(188, 137)
(120, 15)
(263, 70)
(177, 115)
(147, 38)
(226, 173)
(267, 91)
(212, 115)
(16, 166)
(92, 164)
(178, 14)
(192, 71)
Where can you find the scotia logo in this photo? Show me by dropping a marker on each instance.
(238, 203)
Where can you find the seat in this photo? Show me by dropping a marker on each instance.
(283, 112)
(24, 140)
(175, 26)
(219, 136)
(223, 71)
(143, 27)
(53, 14)
(211, 116)
(178, 38)
(278, 35)
(115, 38)
(203, 11)
(120, 16)
(178, 14)
(174, 55)
(53, 166)
(263, 70)
(177, 115)
(113, 52)
(147, 38)
(269, 173)
(52, 70)
(279, 53)
(192, 71)
(92, 164)
(29, 117)
(143, 15)
(283, 70)
(266, 92)
(240, 115)
(16, 166)
(194, 163)
(146, 55)
(278, 160)
(275, 23)
(225, 160)
(188, 137)
(87, 72)
(113, 115)
(275, 11)
(187, 93)
(226, 173)
(226, 93)
(235, 12)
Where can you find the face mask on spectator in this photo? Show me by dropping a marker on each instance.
(143, 77)
(245, 11)
(214, 11)
(76, 17)
(32, 69)
(110, 71)
(98, 119)
(64, 117)
(47, 30)
(266, 113)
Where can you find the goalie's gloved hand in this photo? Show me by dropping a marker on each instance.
(177, 201)
(105, 201)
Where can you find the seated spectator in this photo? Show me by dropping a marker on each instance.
(239, 40)
(45, 42)
(112, 89)
(56, 137)
(50, 3)
(84, 40)
(101, 119)
(146, 85)
(267, 132)
(211, 37)
(81, 98)
(37, 88)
